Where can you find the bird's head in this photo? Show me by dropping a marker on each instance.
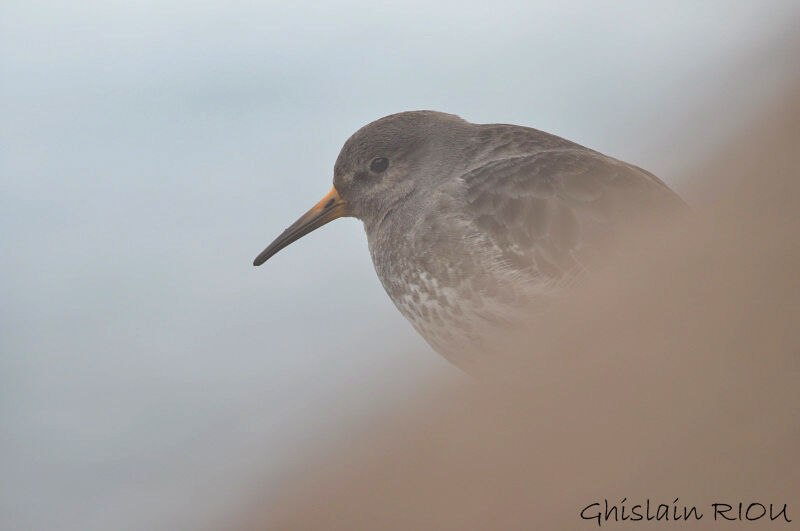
(383, 164)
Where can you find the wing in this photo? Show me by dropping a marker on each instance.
(548, 214)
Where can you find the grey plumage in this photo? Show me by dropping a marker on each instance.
(472, 228)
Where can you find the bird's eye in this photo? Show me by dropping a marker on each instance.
(379, 165)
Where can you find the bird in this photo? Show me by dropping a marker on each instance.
(474, 229)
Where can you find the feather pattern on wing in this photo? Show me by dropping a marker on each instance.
(547, 213)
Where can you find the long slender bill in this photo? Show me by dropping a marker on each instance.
(329, 208)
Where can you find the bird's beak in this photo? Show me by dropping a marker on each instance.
(329, 208)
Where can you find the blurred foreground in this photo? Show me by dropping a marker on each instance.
(675, 375)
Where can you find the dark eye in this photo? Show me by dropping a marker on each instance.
(379, 165)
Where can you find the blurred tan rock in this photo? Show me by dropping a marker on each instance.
(674, 374)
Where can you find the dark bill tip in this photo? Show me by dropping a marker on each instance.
(329, 208)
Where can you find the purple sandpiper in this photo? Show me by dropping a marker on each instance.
(472, 225)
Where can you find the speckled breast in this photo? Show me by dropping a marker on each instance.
(450, 287)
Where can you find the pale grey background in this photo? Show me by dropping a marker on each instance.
(149, 150)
